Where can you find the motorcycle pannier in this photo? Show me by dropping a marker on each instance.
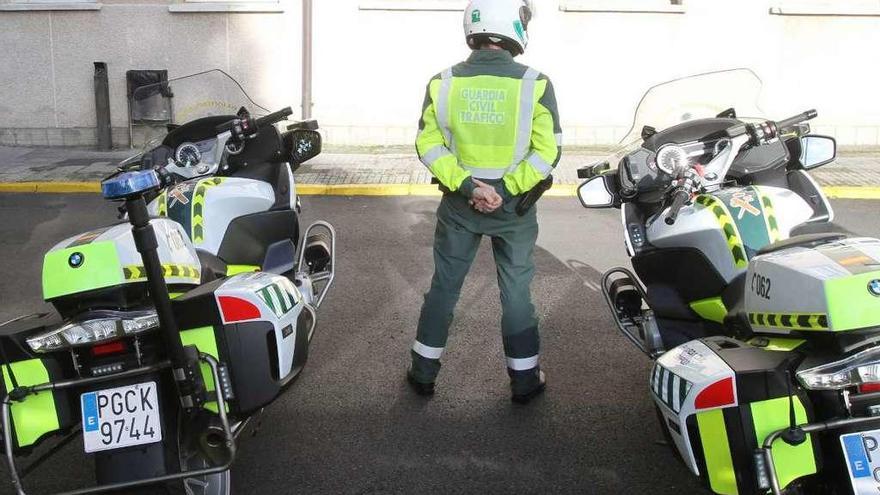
(257, 326)
(720, 398)
(36, 416)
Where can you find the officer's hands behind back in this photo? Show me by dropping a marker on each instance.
(485, 198)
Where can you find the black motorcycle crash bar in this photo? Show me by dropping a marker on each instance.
(767, 448)
(81, 382)
(606, 278)
(325, 276)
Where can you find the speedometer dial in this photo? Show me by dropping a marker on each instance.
(188, 155)
(671, 159)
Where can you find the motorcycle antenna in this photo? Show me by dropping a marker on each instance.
(794, 435)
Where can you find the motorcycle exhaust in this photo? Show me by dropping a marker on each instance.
(625, 297)
(212, 442)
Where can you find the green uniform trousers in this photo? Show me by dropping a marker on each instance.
(456, 240)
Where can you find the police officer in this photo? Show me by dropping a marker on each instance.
(490, 133)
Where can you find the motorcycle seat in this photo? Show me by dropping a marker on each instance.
(213, 268)
(805, 240)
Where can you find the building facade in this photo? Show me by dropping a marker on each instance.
(372, 59)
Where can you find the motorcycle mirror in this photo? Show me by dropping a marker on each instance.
(596, 193)
(817, 151)
(302, 145)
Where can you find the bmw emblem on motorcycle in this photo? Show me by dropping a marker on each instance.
(874, 287)
(76, 260)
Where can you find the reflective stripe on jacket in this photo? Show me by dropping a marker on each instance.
(490, 118)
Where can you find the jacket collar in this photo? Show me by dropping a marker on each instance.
(490, 57)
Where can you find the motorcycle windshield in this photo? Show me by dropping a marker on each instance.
(184, 99)
(694, 97)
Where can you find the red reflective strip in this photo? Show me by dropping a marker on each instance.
(869, 387)
(235, 309)
(718, 394)
(108, 348)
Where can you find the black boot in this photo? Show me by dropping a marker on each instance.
(420, 388)
(526, 385)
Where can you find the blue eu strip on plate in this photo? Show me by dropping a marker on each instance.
(90, 411)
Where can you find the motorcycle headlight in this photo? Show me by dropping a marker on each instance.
(95, 328)
(860, 368)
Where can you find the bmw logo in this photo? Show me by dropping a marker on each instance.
(874, 287)
(76, 260)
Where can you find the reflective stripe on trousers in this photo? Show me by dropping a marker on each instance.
(427, 351)
(522, 364)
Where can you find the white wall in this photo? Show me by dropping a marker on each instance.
(371, 66)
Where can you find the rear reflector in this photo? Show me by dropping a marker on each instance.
(718, 394)
(867, 388)
(235, 309)
(108, 348)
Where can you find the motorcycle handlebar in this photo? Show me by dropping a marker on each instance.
(764, 131)
(246, 127)
(274, 117)
(797, 119)
(680, 197)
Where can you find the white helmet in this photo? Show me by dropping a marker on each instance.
(505, 22)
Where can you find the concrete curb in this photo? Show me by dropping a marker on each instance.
(559, 190)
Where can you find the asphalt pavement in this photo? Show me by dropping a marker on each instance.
(350, 425)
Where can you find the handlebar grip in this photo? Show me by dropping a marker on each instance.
(797, 119)
(679, 199)
(274, 117)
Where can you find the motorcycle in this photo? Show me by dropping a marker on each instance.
(174, 329)
(763, 329)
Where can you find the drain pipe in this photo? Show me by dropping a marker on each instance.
(102, 107)
(307, 60)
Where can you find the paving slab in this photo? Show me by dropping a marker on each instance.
(53, 164)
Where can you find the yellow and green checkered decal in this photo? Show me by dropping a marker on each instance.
(769, 216)
(198, 207)
(747, 219)
(790, 321)
(135, 273)
(728, 227)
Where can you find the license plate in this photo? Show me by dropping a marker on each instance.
(862, 451)
(121, 417)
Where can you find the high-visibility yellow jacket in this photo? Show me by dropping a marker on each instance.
(490, 118)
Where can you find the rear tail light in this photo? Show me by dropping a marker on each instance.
(95, 328)
(718, 394)
(867, 388)
(109, 348)
(236, 309)
(862, 368)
